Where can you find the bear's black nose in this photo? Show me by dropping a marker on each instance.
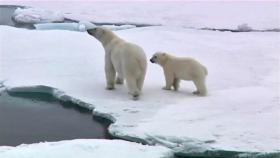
(88, 31)
(152, 61)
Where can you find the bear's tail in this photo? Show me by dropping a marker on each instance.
(205, 70)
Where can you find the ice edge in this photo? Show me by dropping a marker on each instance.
(186, 148)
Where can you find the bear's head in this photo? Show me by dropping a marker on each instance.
(96, 32)
(102, 34)
(159, 58)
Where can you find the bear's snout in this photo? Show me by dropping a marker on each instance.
(152, 61)
(88, 31)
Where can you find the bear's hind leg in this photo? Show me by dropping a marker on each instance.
(110, 76)
(200, 86)
(140, 82)
(176, 83)
(119, 79)
(132, 88)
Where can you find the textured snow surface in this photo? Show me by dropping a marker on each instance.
(85, 148)
(240, 113)
(36, 15)
(226, 15)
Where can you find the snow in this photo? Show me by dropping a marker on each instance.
(243, 83)
(85, 148)
(220, 15)
(36, 15)
(241, 112)
(121, 27)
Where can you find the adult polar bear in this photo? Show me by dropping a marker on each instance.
(127, 59)
(176, 68)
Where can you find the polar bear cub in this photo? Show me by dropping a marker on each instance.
(181, 68)
(126, 59)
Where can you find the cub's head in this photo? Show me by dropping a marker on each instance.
(159, 58)
(97, 32)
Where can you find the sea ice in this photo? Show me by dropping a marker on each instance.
(36, 15)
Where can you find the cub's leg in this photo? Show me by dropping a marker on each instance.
(169, 78)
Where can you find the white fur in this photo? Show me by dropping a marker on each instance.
(126, 59)
(176, 69)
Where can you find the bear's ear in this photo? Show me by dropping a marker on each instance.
(101, 31)
(164, 54)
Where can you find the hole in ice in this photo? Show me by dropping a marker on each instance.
(29, 117)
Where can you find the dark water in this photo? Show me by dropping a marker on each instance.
(36, 117)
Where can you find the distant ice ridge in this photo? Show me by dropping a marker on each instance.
(121, 27)
(53, 20)
(36, 15)
(80, 26)
(189, 15)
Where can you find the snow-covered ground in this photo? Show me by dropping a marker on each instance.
(241, 112)
(86, 149)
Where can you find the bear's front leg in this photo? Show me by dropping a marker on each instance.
(110, 75)
(176, 84)
(168, 80)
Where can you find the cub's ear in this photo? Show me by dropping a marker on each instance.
(164, 54)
